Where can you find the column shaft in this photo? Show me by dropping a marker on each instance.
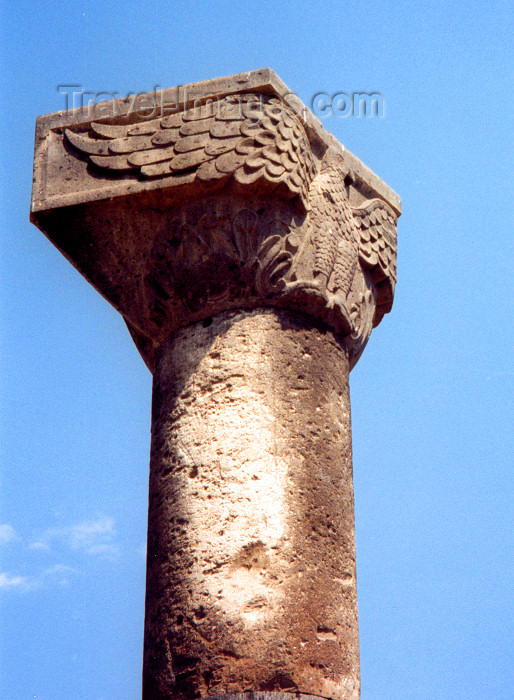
(251, 551)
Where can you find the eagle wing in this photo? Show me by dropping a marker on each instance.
(376, 225)
(251, 138)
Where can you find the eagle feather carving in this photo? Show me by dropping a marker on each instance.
(340, 251)
(345, 236)
(248, 137)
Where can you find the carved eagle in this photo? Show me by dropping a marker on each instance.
(376, 224)
(248, 137)
(258, 140)
(346, 236)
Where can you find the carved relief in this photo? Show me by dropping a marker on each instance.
(347, 257)
(250, 246)
(376, 222)
(334, 262)
(256, 139)
(228, 256)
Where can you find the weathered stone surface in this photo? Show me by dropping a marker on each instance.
(264, 695)
(61, 180)
(251, 557)
(250, 255)
(233, 198)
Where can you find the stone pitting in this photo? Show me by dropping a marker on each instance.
(254, 208)
(250, 255)
(251, 553)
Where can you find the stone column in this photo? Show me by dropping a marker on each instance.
(250, 256)
(251, 558)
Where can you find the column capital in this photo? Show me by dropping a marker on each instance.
(219, 195)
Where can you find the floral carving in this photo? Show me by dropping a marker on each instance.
(335, 261)
(236, 256)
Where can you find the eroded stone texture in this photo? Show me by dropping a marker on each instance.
(250, 255)
(237, 199)
(251, 556)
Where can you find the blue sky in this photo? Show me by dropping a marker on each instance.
(431, 396)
